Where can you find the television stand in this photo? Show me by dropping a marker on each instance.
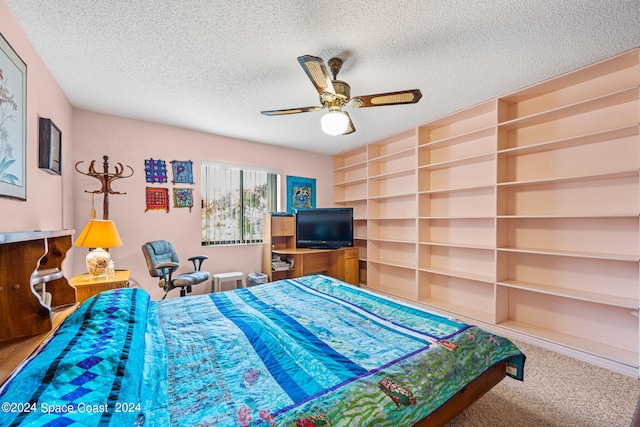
(279, 238)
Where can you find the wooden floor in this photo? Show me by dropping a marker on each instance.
(13, 352)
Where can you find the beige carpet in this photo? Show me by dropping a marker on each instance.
(557, 391)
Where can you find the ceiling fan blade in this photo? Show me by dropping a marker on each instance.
(389, 98)
(317, 73)
(290, 111)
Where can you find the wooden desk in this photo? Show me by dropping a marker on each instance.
(86, 287)
(339, 263)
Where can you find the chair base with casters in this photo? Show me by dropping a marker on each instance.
(162, 261)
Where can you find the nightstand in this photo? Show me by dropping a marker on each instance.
(87, 287)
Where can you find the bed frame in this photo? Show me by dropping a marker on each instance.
(466, 397)
(440, 417)
(14, 351)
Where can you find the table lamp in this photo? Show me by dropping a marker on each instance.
(98, 234)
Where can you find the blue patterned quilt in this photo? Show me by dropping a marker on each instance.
(311, 351)
(89, 373)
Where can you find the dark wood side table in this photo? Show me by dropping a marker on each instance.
(86, 287)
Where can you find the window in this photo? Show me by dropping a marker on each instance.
(233, 199)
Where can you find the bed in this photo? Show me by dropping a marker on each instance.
(311, 351)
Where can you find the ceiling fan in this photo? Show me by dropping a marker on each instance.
(335, 94)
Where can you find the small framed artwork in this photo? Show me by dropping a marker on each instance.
(301, 193)
(182, 172)
(183, 198)
(13, 123)
(157, 199)
(50, 151)
(155, 171)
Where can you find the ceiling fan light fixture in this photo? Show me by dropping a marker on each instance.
(335, 122)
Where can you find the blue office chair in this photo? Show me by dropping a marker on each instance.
(162, 261)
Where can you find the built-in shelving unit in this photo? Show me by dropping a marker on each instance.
(522, 212)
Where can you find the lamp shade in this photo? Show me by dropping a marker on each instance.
(99, 233)
(335, 122)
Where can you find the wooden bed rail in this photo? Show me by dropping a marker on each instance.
(465, 397)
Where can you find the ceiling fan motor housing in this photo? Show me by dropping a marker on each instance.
(342, 96)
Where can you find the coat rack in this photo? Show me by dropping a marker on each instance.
(106, 178)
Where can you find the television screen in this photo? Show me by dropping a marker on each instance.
(324, 228)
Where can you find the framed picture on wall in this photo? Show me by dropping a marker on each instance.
(301, 193)
(50, 147)
(13, 123)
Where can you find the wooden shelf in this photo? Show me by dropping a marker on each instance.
(352, 182)
(390, 146)
(574, 216)
(458, 245)
(612, 99)
(46, 275)
(575, 254)
(456, 140)
(570, 179)
(457, 162)
(395, 155)
(598, 298)
(456, 217)
(459, 124)
(354, 166)
(522, 212)
(482, 187)
(457, 309)
(393, 263)
(391, 240)
(460, 274)
(354, 157)
(589, 138)
(401, 254)
(451, 293)
(35, 258)
(625, 357)
(32, 235)
(393, 174)
(392, 279)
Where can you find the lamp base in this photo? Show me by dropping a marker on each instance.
(97, 263)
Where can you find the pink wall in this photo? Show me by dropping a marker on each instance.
(130, 142)
(50, 193)
(55, 202)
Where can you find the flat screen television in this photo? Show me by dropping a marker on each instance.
(324, 228)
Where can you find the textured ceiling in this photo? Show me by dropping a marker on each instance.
(212, 66)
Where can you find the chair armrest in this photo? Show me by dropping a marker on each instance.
(167, 269)
(197, 261)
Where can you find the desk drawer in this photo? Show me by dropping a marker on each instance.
(351, 253)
